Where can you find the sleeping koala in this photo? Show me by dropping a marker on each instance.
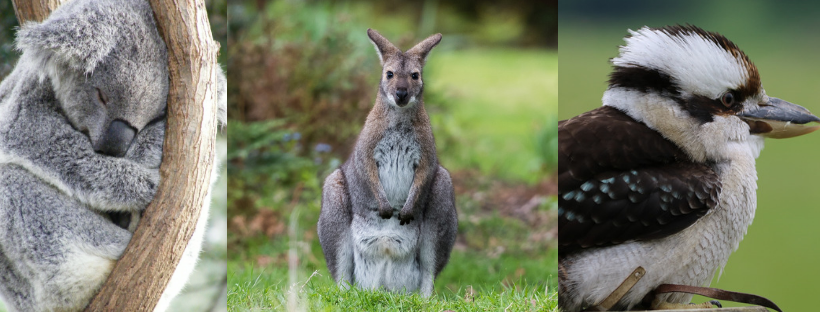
(82, 123)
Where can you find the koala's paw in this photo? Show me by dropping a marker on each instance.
(145, 189)
(149, 157)
(154, 179)
(146, 149)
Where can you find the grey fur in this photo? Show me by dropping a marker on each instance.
(67, 174)
(388, 216)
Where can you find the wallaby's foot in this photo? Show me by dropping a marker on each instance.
(405, 218)
(663, 305)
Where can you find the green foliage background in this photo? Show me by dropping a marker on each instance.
(8, 23)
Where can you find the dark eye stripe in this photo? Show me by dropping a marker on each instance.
(642, 79)
(652, 80)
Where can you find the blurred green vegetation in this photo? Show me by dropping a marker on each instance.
(8, 24)
(778, 257)
(304, 76)
(494, 114)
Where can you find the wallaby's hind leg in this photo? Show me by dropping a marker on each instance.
(438, 231)
(334, 228)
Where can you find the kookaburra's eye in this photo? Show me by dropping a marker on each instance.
(728, 99)
(101, 96)
(389, 74)
(415, 76)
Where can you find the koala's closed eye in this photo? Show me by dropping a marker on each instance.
(101, 97)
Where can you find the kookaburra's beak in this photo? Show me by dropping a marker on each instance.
(780, 119)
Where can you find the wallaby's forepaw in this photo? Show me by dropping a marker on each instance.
(385, 213)
(405, 218)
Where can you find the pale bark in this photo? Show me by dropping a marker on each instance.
(34, 10)
(140, 276)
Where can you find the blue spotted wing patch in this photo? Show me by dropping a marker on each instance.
(640, 204)
(619, 180)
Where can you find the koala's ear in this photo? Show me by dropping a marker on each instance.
(383, 46)
(79, 40)
(423, 48)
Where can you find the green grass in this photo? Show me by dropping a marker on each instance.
(778, 257)
(253, 289)
(497, 99)
(496, 262)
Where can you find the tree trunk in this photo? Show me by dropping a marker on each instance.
(34, 10)
(188, 156)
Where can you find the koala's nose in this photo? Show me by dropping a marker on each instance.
(401, 94)
(117, 139)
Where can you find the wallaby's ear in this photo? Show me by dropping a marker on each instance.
(423, 48)
(383, 46)
(79, 40)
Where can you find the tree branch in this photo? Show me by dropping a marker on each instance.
(34, 10)
(140, 276)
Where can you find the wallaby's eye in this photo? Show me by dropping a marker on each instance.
(415, 76)
(101, 97)
(389, 74)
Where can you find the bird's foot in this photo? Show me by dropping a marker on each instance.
(663, 305)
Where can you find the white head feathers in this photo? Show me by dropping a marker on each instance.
(697, 61)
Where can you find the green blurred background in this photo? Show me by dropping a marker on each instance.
(304, 76)
(778, 258)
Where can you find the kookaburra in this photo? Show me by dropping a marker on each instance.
(663, 175)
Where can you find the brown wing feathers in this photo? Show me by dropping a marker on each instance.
(619, 180)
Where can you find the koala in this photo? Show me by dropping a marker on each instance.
(388, 216)
(82, 123)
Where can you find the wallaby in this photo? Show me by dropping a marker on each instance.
(388, 215)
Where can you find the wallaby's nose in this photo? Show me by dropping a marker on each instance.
(401, 94)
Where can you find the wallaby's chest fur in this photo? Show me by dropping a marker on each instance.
(397, 157)
(385, 252)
